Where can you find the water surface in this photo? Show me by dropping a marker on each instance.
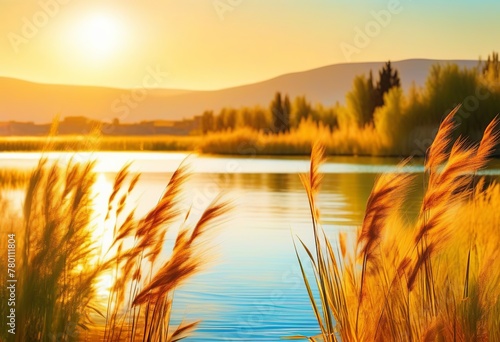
(252, 290)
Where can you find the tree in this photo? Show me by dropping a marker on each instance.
(280, 110)
(448, 86)
(388, 118)
(388, 78)
(207, 121)
(360, 101)
(301, 110)
(326, 116)
(287, 109)
(230, 119)
(365, 97)
(491, 68)
(261, 119)
(220, 121)
(246, 118)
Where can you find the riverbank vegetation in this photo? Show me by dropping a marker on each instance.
(377, 119)
(13, 178)
(433, 279)
(98, 142)
(65, 250)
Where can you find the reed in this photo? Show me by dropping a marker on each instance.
(349, 141)
(13, 178)
(243, 141)
(97, 142)
(433, 279)
(141, 300)
(60, 262)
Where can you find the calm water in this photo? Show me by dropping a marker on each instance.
(253, 290)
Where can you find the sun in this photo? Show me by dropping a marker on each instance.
(99, 36)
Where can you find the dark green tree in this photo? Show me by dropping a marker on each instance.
(280, 110)
(388, 78)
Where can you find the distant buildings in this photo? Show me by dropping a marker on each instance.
(80, 125)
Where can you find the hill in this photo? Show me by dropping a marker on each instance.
(27, 101)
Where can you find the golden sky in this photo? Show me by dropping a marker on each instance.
(212, 44)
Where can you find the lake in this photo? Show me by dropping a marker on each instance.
(252, 290)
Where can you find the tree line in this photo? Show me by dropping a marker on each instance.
(381, 105)
(282, 115)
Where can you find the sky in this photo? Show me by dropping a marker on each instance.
(214, 44)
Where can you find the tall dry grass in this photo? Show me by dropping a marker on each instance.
(60, 263)
(436, 279)
(13, 178)
(140, 302)
(348, 141)
(99, 142)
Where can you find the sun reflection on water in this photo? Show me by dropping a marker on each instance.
(102, 233)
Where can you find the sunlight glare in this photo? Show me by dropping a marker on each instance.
(99, 36)
(103, 233)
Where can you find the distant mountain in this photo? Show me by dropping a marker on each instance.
(27, 101)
